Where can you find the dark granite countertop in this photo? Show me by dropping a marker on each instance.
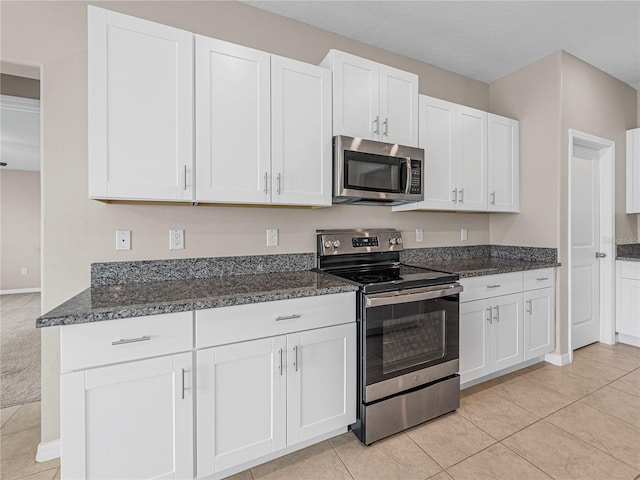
(476, 267)
(628, 252)
(108, 302)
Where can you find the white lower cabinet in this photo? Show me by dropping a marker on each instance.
(257, 397)
(505, 320)
(132, 420)
(628, 302)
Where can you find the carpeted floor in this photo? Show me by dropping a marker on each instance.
(19, 349)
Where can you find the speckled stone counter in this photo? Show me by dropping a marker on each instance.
(108, 302)
(628, 252)
(479, 260)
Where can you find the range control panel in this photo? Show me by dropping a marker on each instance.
(342, 242)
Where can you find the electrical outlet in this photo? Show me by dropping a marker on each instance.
(272, 237)
(463, 234)
(123, 239)
(176, 239)
(419, 235)
(24, 271)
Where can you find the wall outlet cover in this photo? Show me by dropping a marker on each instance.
(272, 237)
(123, 239)
(419, 235)
(176, 239)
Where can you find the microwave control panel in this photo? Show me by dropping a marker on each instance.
(416, 177)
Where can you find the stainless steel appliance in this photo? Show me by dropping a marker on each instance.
(408, 331)
(374, 173)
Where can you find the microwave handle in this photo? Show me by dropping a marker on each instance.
(407, 189)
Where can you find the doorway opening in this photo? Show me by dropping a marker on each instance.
(591, 239)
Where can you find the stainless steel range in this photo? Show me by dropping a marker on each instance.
(408, 331)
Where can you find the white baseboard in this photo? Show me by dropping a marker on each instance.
(557, 359)
(48, 450)
(20, 290)
(628, 339)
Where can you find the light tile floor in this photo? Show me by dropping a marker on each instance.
(581, 421)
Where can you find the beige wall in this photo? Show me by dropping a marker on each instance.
(19, 229)
(78, 231)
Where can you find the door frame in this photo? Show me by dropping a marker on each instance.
(606, 171)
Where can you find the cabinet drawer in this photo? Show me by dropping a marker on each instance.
(629, 270)
(490, 286)
(541, 278)
(219, 326)
(112, 341)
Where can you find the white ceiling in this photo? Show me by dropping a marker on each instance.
(19, 133)
(484, 40)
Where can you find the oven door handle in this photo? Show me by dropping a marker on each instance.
(399, 297)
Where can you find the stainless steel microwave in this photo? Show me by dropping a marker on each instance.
(376, 173)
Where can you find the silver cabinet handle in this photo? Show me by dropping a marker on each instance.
(541, 279)
(600, 255)
(278, 181)
(182, 383)
(530, 308)
(497, 309)
(266, 188)
(386, 127)
(185, 177)
(462, 195)
(377, 123)
(493, 198)
(494, 286)
(124, 341)
(295, 357)
(490, 316)
(455, 195)
(289, 317)
(280, 367)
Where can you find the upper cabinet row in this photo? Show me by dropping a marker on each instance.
(262, 129)
(471, 159)
(633, 170)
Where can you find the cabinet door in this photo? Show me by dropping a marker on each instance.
(241, 403)
(437, 137)
(628, 319)
(301, 133)
(475, 340)
(472, 159)
(132, 420)
(398, 106)
(356, 87)
(539, 322)
(233, 135)
(503, 164)
(321, 390)
(633, 170)
(506, 338)
(140, 77)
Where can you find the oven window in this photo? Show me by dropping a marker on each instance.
(379, 173)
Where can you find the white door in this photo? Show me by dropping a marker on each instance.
(398, 106)
(506, 339)
(233, 134)
(133, 420)
(475, 340)
(321, 388)
(241, 403)
(503, 184)
(140, 77)
(437, 137)
(356, 97)
(585, 243)
(301, 133)
(539, 322)
(471, 175)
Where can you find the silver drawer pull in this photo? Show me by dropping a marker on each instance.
(494, 286)
(182, 383)
(542, 279)
(123, 341)
(288, 317)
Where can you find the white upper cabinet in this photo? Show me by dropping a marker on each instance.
(633, 170)
(504, 164)
(233, 137)
(373, 101)
(262, 127)
(140, 97)
(300, 133)
(471, 159)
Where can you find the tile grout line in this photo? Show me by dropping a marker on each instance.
(39, 473)
(425, 452)
(340, 458)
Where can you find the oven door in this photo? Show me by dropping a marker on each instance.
(410, 339)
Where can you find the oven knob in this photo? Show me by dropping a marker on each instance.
(392, 241)
(399, 241)
(336, 243)
(328, 244)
